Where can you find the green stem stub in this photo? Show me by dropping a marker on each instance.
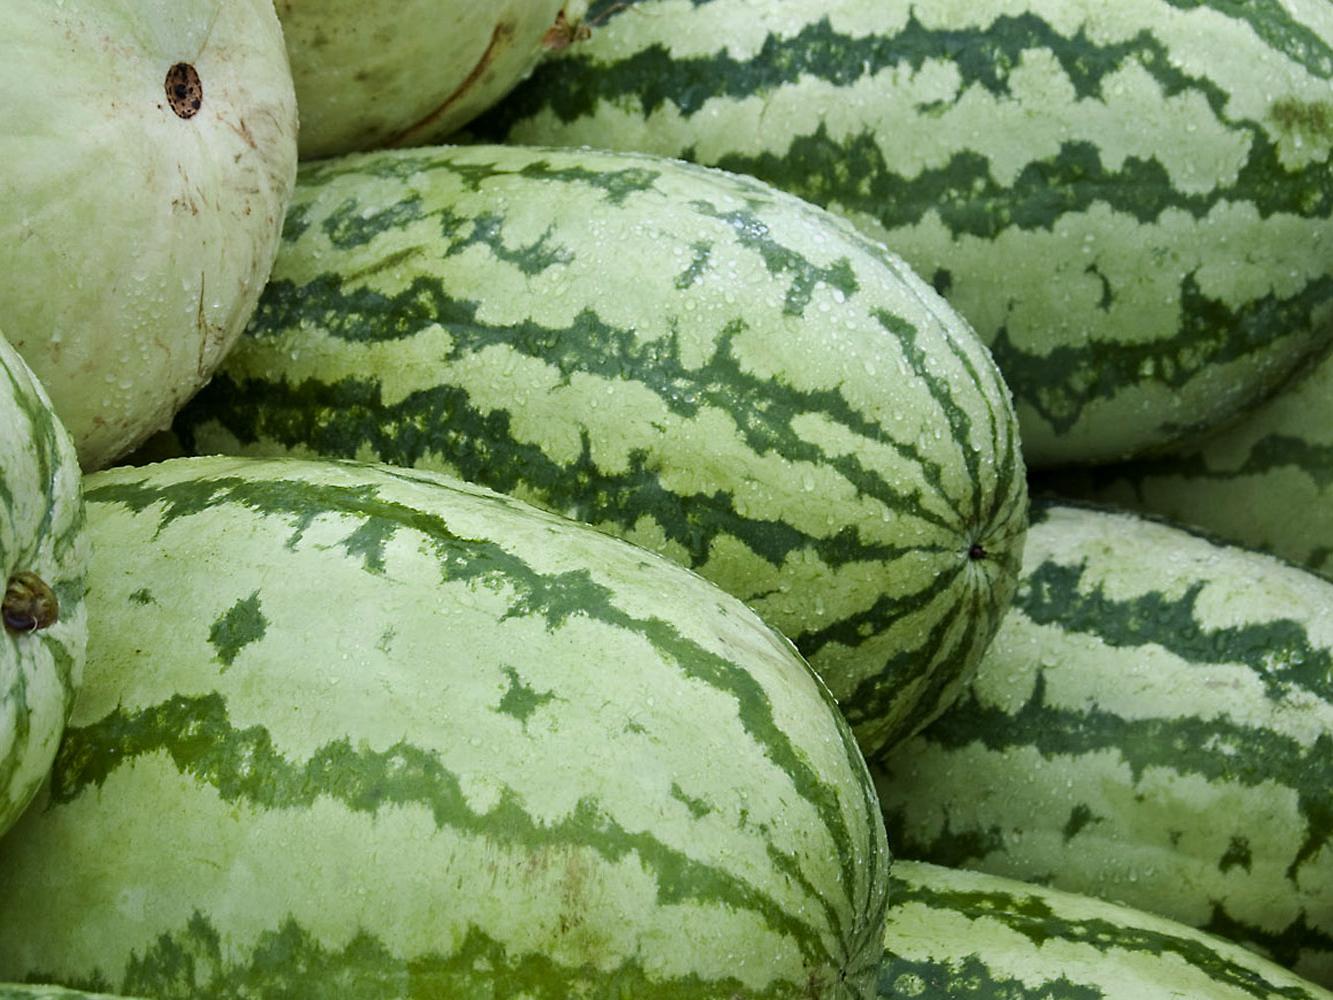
(30, 603)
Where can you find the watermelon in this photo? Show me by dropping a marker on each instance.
(406, 73)
(362, 731)
(688, 359)
(1154, 725)
(1265, 482)
(43, 565)
(147, 152)
(962, 935)
(1131, 202)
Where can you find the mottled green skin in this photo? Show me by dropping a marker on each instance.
(1153, 724)
(1265, 482)
(1132, 203)
(689, 359)
(362, 731)
(42, 532)
(961, 935)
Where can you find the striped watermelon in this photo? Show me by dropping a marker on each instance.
(688, 359)
(1153, 724)
(407, 72)
(1131, 202)
(962, 935)
(1266, 482)
(370, 732)
(43, 562)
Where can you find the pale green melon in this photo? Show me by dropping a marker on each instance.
(147, 153)
(410, 72)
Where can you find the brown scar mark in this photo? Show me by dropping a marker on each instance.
(564, 33)
(201, 321)
(243, 130)
(504, 32)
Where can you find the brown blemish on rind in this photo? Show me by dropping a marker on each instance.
(564, 33)
(503, 33)
(185, 91)
(1309, 119)
(29, 603)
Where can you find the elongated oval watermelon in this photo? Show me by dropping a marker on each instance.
(689, 359)
(1265, 482)
(1132, 203)
(962, 935)
(147, 152)
(1153, 724)
(408, 72)
(363, 731)
(43, 564)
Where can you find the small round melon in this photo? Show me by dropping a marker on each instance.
(410, 73)
(147, 154)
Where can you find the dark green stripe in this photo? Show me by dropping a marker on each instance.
(959, 420)
(970, 978)
(342, 419)
(817, 168)
(43, 465)
(752, 233)
(244, 766)
(1287, 946)
(339, 419)
(1183, 745)
(1278, 651)
(350, 225)
(1061, 383)
(952, 848)
(970, 202)
(289, 962)
(574, 85)
(616, 184)
(1273, 453)
(556, 598)
(1272, 21)
(1037, 921)
(931, 657)
(44, 437)
(14, 746)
